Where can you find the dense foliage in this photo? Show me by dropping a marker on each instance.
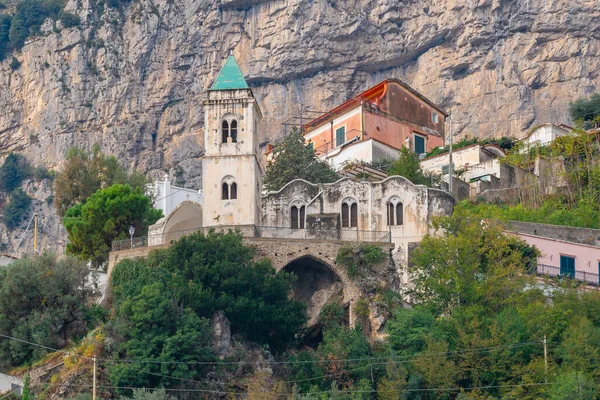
(106, 216)
(84, 173)
(14, 170)
(553, 210)
(27, 20)
(4, 40)
(42, 300)
(586, 109)
(408, 165)
(16, 209)
(293, 159)
(163, 304)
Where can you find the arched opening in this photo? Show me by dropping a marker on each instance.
(233, 130)
(349, 213)
(224, 130)
(395, 211)
(297, 214)
(317, 285)
(233, 191)
(224, 191)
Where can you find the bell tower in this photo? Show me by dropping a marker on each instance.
(231, 172)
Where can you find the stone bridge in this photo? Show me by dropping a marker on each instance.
(313, 261)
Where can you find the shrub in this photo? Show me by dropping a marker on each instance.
(359, 259)
(69, 20)
(14, 170)
(16, 210)
(14, 64)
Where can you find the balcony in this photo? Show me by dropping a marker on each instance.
(582, 276)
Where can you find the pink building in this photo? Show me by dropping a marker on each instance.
(560, 257)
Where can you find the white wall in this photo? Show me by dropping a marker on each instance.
(543, 135)
(8, 383)
(366, 151)
(167, 197)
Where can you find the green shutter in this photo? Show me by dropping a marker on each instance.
(419, 144)
(340, 136)
(567, 266)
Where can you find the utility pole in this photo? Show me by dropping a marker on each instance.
(35, 221)
(94, 384)
(450, 166)
(546, 357)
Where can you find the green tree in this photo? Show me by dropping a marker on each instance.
(42, 300)
(409, 166)
(293, 159)
(163, 303)
(474, 263)
(84, 173)
(5, 21)
(107, 216)
(16, 210)
(585, 109)
(29, 17)
(14, 170)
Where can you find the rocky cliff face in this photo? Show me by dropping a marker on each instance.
(132, 79)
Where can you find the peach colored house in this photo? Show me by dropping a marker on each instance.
(390, 115)
(560, 257)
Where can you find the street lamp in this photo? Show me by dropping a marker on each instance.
(131, 232)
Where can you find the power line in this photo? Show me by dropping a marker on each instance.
(419, 356)
(44, 347)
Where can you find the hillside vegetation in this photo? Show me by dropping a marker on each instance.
(574, 162)
(477, 333)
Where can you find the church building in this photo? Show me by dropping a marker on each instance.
(391, 210)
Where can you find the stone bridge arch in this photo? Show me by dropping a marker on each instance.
(287, 254)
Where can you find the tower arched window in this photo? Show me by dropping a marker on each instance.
(233, 130)
(228, 188)
(395, 211)
(229, 129)
(297, 216)
(349, 213)
(225, 130)
(225, 191)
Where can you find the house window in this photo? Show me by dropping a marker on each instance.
(567, 266)
(297, 214)
(446, 169)
(434, 117)
(340, 136)
(419, 144)
(229, 129)
(395, 212)
(349, 213)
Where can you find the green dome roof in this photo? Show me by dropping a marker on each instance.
(230, 77)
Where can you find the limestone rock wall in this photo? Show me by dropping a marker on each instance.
(132, 79)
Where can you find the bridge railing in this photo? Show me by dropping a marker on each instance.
(252, 231)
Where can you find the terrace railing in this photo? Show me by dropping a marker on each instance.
(252, 231)
(587, 277)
